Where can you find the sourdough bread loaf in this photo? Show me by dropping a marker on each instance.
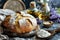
(20, 23)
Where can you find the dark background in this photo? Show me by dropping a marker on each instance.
(25, 1)
(52, 3)
(2, 3)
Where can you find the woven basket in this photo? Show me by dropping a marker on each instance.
(15, 5)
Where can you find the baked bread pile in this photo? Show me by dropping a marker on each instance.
(20, 22)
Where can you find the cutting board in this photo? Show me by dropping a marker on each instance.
(15, 5)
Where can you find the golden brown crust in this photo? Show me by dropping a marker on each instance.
(16, 27)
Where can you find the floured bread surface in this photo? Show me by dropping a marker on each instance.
(20, 23)
(4, 13)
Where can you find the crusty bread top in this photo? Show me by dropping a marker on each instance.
(20, 22)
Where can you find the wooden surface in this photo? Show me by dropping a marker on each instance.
(16, 5)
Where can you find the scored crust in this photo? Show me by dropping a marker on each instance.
(20, 24)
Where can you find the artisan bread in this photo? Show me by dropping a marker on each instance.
(20, 23)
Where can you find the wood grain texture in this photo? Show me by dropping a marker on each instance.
(15, 5)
